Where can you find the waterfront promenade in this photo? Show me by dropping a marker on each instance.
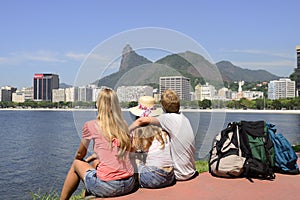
(207, 187)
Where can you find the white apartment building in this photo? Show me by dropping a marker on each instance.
(18, 96)
(253, 95)
(197, 93)
(58, 95)
(205, 92)
(71, 94)
(179, 84)
(28, 91)
(96, 92)
(225, 93)
(282, 88)
(85, 94)
(25, 94)
(133, 93)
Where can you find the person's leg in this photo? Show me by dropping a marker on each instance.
(76, 172)
(94, 164)
(154, 177)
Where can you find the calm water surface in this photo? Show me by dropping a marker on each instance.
(37, 147)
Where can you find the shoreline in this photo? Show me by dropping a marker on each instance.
(182, 110)
(244, 111)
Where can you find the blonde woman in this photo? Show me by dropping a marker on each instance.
(113, 175)
(156, 171)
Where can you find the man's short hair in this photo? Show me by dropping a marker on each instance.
(170, 101)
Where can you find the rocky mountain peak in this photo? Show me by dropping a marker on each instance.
(126, 50)
(131, 59)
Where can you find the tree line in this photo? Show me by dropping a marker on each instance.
(259, 104)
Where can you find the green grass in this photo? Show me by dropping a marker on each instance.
(52, 196)
(296, 148)
(201, 166)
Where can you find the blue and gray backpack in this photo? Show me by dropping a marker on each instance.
(285, 156)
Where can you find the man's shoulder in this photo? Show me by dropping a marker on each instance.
(168, 115)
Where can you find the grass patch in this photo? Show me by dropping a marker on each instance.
(201, 166)
(296, 148)
(46, 196)
(52, 196)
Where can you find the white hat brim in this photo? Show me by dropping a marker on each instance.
(138, 112)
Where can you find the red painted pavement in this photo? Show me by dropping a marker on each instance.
(207, 187)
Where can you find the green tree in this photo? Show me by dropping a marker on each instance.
(230, 104)
(293, 76)
(194, 104)
(276, 104)
(132, 104)
(205, 103)
(245, 103)
(259, 104)
(218, 103)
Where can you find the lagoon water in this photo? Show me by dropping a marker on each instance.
(37, 147)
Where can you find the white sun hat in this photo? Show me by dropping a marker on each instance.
(146, 107)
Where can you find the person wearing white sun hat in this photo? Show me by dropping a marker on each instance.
(146, 107)
(156, 170)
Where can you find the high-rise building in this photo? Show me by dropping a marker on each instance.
(298, 71)
(6, 93)
(43, 84)
(283, 88)
(179, 84)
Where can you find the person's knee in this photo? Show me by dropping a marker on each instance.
(80, 167)
(75, 164)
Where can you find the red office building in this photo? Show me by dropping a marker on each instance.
(43, 84)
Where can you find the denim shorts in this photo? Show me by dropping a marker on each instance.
(154, 177)
(100, 188)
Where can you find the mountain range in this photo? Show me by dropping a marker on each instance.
(137, 70)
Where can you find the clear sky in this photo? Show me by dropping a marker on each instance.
(56, 35)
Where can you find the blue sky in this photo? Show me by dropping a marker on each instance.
(56, 36)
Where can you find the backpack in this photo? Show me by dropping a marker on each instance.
(285, 156)
(226, 156)
(258, 149)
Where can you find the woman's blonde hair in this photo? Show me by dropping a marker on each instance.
(111, 121)
(144, 136)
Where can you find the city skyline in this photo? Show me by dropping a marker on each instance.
(56, 37)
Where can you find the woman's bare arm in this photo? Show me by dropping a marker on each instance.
(82, 150)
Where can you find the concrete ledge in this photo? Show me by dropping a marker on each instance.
(208, 187)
